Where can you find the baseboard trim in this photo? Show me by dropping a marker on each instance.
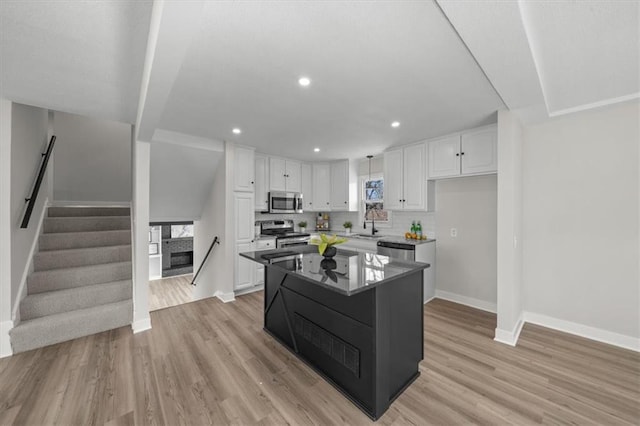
(510, 337)
(5, 339)
(141, 325)
(249, 290)
(588, 332)
(59, 203)
(22, 290)
(468, 301)
(225, 297)
(428, 300)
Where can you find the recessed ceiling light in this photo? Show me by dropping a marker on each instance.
(304, 81)
(395, 124)
(236, 131)
(316, 149)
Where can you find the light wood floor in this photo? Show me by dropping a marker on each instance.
(172, 291)
(210, 363)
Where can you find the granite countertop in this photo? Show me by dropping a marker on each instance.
(379, 237)
(348, 273)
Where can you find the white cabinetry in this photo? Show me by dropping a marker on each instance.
(467, 153)
(263, 244)
(262, 183)
(244, 233)
(343, 187)
(405, 181)
(243, 170)
(321, 187)
(284, 175)
(306, 184)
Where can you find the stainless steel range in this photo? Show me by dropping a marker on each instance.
(284, 232)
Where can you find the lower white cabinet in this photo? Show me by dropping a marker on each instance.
(262, 244)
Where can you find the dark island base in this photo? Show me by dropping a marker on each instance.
(367, 345)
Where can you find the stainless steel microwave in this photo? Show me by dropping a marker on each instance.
(285, 202)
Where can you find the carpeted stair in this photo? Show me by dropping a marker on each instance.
(81, 279)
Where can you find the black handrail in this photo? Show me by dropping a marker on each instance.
(216, 240)
(34, 194)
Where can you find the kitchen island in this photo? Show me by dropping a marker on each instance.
(356, 319)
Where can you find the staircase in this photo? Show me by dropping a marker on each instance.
(81, 279)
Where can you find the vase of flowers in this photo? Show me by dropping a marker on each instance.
(326, 245)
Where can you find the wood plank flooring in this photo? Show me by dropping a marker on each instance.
(210, 363)
(172, 291)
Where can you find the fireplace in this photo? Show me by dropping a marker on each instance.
(181, 259)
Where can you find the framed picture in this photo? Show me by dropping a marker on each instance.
(153, 248)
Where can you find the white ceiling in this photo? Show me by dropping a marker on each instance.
(215, 65)
(83, 57)
(370, 63)
(586, 52)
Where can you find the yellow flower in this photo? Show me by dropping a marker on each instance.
(323, 242)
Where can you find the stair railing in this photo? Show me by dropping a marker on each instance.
(215, 241)
(36, 188)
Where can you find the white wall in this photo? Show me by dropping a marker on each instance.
(5, 227)
(181, 179)
(580, 220)
(140, 214)
(466, 265)
(217, 275)
(509, 274)
(92, 159)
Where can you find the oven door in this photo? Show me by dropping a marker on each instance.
(285, 202)
(291, 242)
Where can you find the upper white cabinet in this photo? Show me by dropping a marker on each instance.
(306, 184)
(479, 151)
(284, 175)
(321, 186)
(261, 183)
(405, 181)
(243, 170)
(343, 187)
(468, 153)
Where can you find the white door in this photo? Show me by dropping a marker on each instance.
(339, 194)
(262, 183)
(414, 178)
(307, 186)
(245, 269)
(393, 180)
(277, 174)
(321, 187)
(444, 157)
(293, 176)
(244, 169)
(479, 151)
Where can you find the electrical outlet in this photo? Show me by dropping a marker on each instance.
(454, 232)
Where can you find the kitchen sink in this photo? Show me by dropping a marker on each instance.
(367, 236)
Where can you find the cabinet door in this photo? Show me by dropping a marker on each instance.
(245, 268)
(321, 187)
(414, 177)
(244, 234)
(262, 183)
(293, 176)
(444, 157)
(277, 174)
(479, 151)
(393, 195)
(339, 193)
(243, 169)
(307, 187)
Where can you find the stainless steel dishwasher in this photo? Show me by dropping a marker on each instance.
(420, 252)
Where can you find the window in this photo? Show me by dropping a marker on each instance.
(373, 197)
